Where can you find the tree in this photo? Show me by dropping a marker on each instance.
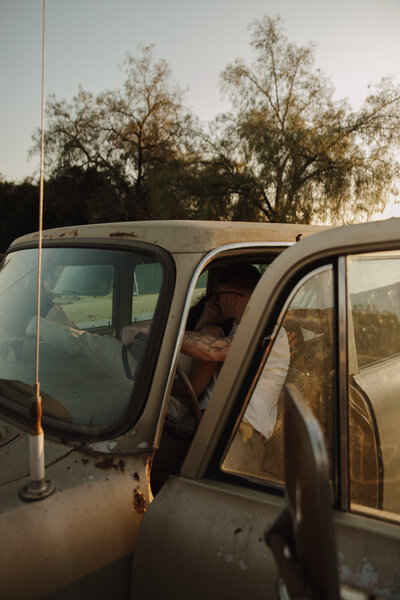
(134, 136)
(301, 155)
(81, 195)
(19, 210)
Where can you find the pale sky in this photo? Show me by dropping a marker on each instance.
(357, 43)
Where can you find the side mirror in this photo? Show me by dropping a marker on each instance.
(302, 538)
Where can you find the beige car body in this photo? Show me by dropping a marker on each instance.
(200, 536)
(79, 541)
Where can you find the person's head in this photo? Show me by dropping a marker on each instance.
(234, 288)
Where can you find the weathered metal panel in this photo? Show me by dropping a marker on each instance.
(181, 236)
(88, 524)
(205, 540)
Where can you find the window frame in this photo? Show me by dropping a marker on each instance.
(262, 351)
(86, 433)
(347, 504)
(222, 253)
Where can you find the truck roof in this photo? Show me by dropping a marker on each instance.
(180, 236)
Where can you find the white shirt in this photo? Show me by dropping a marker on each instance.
(262, 409)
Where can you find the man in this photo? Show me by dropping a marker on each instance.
(227, 303)
(233, 292)
(234, 288)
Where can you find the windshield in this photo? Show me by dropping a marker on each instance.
(88, 297)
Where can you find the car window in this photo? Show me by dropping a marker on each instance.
(147, 280)
(373, 283)
(200, 289)
(82, 294)
(302, 353)
(87, 297)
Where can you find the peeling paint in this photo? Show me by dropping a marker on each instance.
(228, 558)
(242, 565)
(105, 447)
(143, 445)
(123, 234)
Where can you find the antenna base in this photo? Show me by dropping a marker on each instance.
(37, 490)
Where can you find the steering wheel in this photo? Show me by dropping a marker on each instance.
(136, 349)
(194, 401)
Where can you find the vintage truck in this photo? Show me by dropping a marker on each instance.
(210, 529)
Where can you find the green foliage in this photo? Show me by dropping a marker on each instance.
(19, 210)
(287, 152)
(307, 156)
(126, 135)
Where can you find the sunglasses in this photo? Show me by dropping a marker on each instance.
(218, 294)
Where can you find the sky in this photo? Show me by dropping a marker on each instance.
(356, 44)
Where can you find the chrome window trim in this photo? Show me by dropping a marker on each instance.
(342, 383)
(200, 267)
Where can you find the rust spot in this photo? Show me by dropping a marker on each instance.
(136, 476)
(139, 502)
(238, 530)
(108, 463)
(123, 234)
(85, 461)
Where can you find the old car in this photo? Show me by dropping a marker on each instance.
(209, 531)
(103, 403)
(110, 528)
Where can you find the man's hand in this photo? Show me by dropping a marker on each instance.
(211, 313)
(131, 334)
(246, 431)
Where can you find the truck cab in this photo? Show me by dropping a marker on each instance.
(110, 525)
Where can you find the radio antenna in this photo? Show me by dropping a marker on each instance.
(38, 486)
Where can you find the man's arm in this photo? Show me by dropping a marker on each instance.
(205, 346)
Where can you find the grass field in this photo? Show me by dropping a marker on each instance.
(95, 311)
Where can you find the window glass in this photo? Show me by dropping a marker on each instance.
(373, 283)
(146, 288)
(87, 297)
(82, 293)
(303, 354)
(200, 289)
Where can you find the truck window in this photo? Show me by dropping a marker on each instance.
(302, 353)
(87, 378)
(373, 283)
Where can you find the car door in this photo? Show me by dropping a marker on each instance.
(204, 533)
